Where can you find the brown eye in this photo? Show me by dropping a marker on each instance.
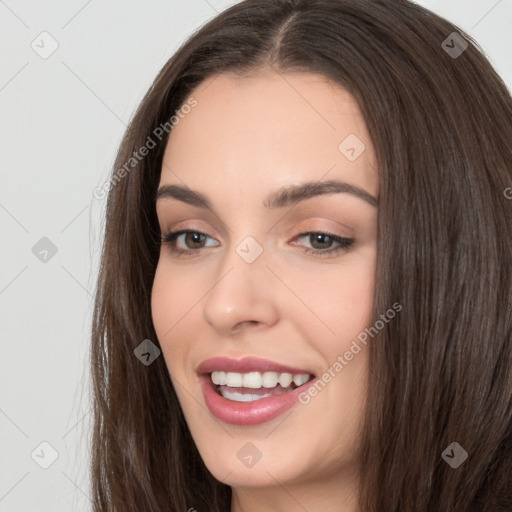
(193, 241)
(321, 243)
(320, 240)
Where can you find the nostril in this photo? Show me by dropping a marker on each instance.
(246, 324)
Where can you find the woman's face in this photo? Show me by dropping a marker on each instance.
(261, 279)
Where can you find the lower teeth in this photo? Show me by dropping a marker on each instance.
(248, 397)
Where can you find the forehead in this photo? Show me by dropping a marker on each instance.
(270, 128)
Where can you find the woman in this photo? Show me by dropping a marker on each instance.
(305, 294)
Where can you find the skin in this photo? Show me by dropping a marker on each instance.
(248, 137)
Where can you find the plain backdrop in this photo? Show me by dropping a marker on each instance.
(62, 118)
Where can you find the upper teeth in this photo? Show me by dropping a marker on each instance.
(257, 380)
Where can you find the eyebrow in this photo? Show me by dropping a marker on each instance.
(283, 197)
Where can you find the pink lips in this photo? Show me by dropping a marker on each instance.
(246, 413)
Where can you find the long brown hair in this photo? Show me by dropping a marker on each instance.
(441, 371)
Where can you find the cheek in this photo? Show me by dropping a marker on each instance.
(172, 304)
(355, 296)
(340, 302)
(173, 296)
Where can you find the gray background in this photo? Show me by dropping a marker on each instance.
(62, 118)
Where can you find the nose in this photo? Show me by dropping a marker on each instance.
(242, 296)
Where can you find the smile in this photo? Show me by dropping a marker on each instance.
(250, 391)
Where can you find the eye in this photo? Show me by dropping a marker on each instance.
(322, 243)
(193, 240)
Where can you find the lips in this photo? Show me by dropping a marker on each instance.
(252, 412)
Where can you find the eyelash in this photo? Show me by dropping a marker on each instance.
(345, 243)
